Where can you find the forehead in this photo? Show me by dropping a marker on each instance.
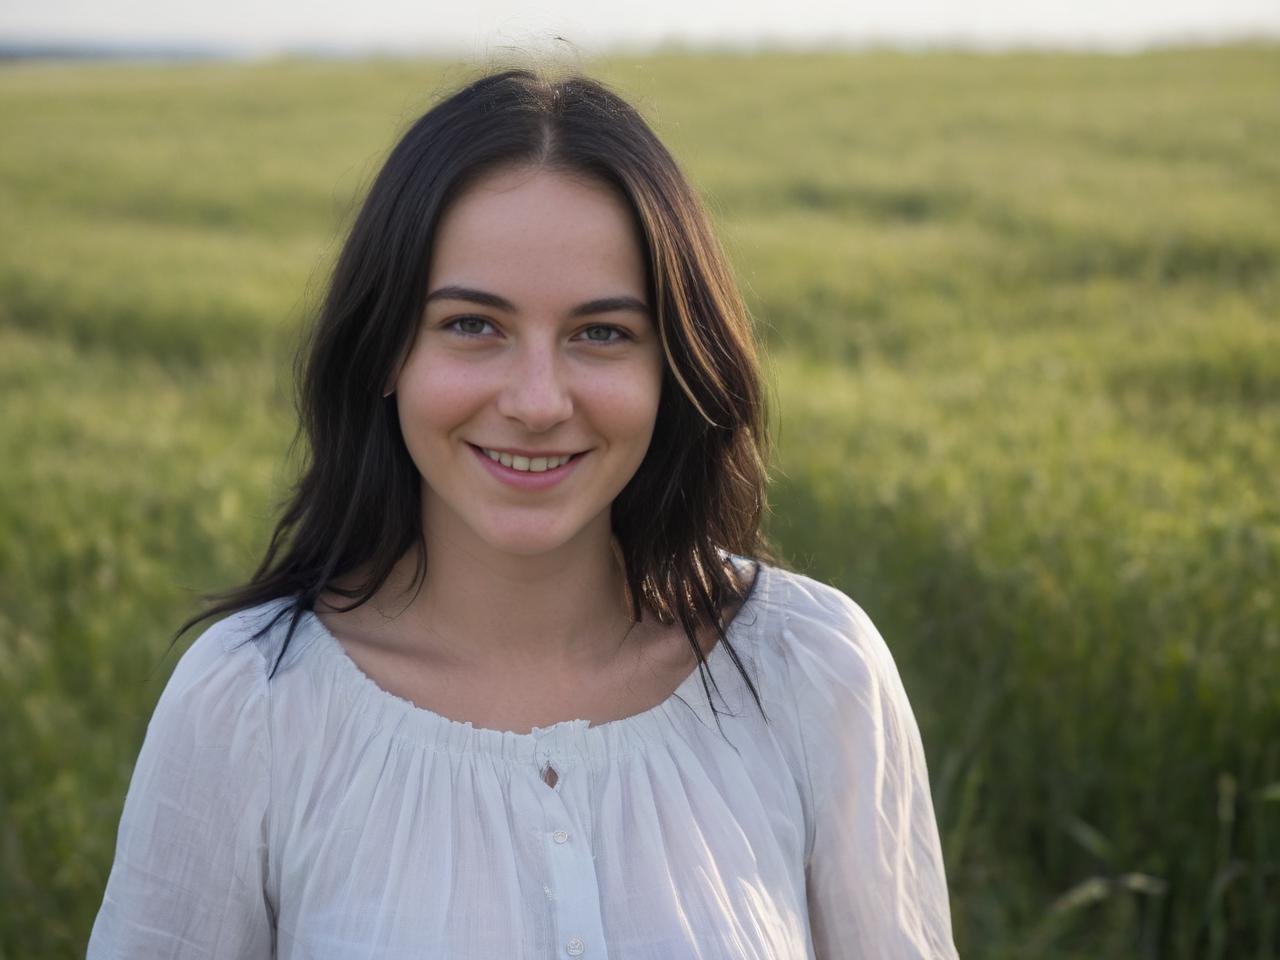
(529, 225)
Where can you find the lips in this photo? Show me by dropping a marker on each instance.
(526, 479)
(531, 462)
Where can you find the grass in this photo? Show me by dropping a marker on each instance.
(1022, 319)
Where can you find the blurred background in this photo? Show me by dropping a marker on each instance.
(1018, 271)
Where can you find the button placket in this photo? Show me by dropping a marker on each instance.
(574, 895)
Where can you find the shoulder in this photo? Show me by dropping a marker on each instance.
(823, 636)
(845, 699)
(837, 674)
(225, 669)
(240, 639)
(210, 729)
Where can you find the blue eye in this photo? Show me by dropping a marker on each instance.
(468, 326)
(607, 331)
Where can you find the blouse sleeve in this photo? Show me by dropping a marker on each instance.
(875, 878)
(189, 876)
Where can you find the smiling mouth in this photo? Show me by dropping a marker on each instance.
(528, 464)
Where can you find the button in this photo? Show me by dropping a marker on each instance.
(574, 947)
(560, 836)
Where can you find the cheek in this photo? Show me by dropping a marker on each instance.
(434, 397)
(625, 403)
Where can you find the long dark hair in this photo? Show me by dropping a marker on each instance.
(700, 490)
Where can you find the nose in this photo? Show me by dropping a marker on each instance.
(536, 391)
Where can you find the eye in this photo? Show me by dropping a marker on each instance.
(467, 326)
(604, 333)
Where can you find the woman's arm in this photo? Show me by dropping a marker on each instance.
(188, 880)
(876, 884)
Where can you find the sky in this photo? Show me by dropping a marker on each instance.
(481, 27)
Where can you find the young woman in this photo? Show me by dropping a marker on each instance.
(515, 678)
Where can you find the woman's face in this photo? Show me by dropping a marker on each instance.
(537, 344)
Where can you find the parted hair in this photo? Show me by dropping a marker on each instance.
(355, 509)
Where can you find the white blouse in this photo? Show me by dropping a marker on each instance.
(318, 816)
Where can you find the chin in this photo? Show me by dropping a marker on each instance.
(526, 543)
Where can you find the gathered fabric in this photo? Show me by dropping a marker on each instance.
(316, 815)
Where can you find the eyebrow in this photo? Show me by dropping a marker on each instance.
(485, 299)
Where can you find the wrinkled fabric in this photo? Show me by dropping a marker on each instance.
(315, 815)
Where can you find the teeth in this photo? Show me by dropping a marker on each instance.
(527, 464)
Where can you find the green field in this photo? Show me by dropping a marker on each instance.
(1023, 315)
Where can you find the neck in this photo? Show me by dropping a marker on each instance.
(482, 608)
